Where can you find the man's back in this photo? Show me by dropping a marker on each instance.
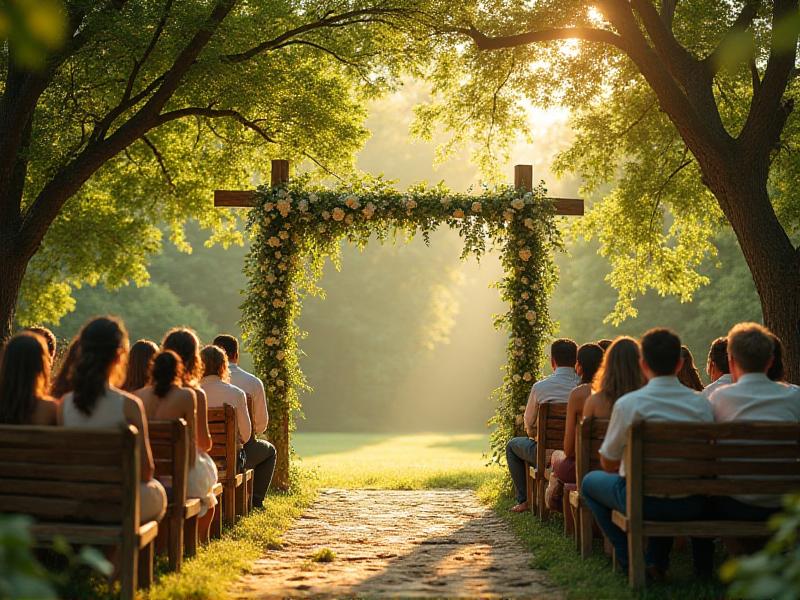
(556, 387)
(754, 397)
(254, 390)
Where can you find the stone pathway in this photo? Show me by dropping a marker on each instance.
(398, 544)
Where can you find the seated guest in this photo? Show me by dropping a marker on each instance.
(604, 344)
(140, 359)
(96, 403)
(752, 397)
(24, 379)
(777, 371)
(219, 391)
(553, 388)
(62, 384)
(619, 374)
(183, 342)
(717, 366)
(261, 455)
(49, 338)
(588, 362)
(688, 375)
(663, 398)
(164, 399)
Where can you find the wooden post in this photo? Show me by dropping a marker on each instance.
(280, 172)
(523, 177)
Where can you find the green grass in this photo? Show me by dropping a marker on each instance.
(400, 462)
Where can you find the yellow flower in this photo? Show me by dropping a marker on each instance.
(284, 207)
(283, 235)
(274, 242)
(338, 214)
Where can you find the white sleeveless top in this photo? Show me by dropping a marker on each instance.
(109, 411)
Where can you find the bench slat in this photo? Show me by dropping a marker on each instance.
(718, 487)
(696, 528)
(87, 473)
(654, 431)
(62, 509)
(687, 449)
(661, 469)
(78, 491)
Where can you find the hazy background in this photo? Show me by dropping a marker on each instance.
(404, 340)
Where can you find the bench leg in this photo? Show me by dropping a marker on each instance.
(636, 566)
(128, 569)
(190, 537)
(585, 534)
(216, 524)
(146, 565)
(250, 494)
(529, 484)
(541, 507)
(566, 509)
(241, 500)
(230, 504)
(176, 543)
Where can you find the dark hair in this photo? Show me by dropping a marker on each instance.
(661, 350)
(140, 358)
(564, 352)
(101, 339)
(688, 374)
(718, 354)
(62, 383)
(49, 338)
(604, 344)
(776, 371)
(589, 358)
(620, 372)
(229, 344)
(752, 346)
(215, 362)
(24, 374)
(184, 342)
(166, 371)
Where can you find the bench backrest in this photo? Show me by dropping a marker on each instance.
(551, 420)
(169, 441)
(720, 459)
(590, 434)
(224, 435)
(61, 474)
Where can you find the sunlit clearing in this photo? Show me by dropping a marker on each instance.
(419, 461)
(570, 48)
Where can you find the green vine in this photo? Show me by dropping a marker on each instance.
(294, 229)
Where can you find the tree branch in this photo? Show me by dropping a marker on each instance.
(160, 160)
(363, 75)
(743, 21)
(668, 12)
(589, 34)
(212, 113)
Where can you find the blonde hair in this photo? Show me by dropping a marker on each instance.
(215, 362)
(620, 372)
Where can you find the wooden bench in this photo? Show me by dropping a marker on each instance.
(551, 420)
(169, 441)
(225, 436)
(82, 486)
(721, 459)
(589, 437)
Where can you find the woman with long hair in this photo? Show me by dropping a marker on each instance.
(96, 403)
(165, 399)
(62, 384)
(619, 374)
(184, 342)
(689, 375)
(140, 357)
(24, 379)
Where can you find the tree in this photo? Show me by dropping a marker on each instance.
(147, 105)
(687, 106)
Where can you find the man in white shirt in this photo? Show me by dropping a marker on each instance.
(663, 398)
(553, 388)
(220, 392)
(752, 397)
(261, 455)
(717, 366)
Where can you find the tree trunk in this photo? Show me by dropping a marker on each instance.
(278, 434)
(774, 263)
(12, 271)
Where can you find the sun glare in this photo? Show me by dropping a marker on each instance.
(595, 16)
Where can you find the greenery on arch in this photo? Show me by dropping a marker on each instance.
(295, 229)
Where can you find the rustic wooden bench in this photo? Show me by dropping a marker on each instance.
(551, 420)
(589, 437)
(82, 486)
(169, 441)
(721, 459)
(225, 436)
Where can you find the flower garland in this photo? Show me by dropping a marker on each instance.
(294, 229)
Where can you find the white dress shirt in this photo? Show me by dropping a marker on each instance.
(725, 379)
(661, 399)
(556, 387)
(254, 390)
(220, 393)
(755, 397)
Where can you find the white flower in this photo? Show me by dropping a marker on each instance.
(445, 200)
(282, 193)
(270, 278)
(518, 204)
(283, 235)
(321, 228)
(516, 378)
(275, 331)
(280, 354)
(278, 254)
(508, 215)
(524, 280)
(352, 202)
(338, 214)
(476, 207)
(411, 204)
(369, 210)
(274, 373)
(313, 198)
(279, 383)
(273, 242)
(458, 213)
(525, 295)
(349, 219)
(529, 223)
(302, 206)
(326, 215)
(525, 254)
(530, 315)
(284, 207)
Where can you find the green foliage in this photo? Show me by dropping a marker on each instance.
(323, 555)
(294, 230)
(34, 28)
(773, 572)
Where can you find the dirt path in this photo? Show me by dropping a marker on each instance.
(398, 544)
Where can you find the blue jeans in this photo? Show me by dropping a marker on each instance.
(604, 492)
(519, 450)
